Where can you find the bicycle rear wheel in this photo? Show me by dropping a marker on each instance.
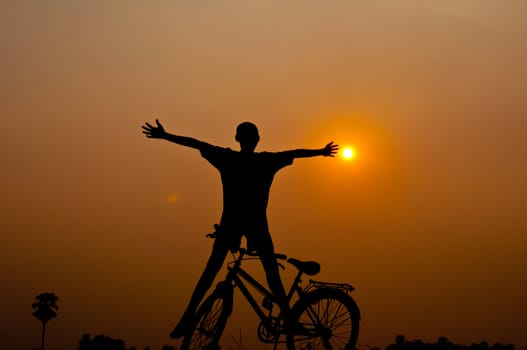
(210, 321)
(327, 319)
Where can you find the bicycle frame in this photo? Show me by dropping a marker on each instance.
(237, 275)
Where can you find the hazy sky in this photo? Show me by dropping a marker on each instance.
(427, 222)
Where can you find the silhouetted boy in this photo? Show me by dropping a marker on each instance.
(246, 177)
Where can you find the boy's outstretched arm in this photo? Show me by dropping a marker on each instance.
(328, 151)
(158, 132)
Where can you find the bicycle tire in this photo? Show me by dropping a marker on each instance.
(210, 320)
(327, 318)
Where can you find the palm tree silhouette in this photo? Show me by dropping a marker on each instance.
(46, 306)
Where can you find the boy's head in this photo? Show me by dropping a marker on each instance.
(247, 136)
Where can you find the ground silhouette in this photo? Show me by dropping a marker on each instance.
(104, 342)
(442, 344)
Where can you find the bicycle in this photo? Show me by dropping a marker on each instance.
(325, 315)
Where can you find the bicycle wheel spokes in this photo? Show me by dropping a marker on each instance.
(209, 323)
(330, 324)
(208, 327)
(327, 320)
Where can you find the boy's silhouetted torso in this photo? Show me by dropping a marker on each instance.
(246, 180)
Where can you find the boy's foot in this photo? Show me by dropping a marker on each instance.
(182, 328)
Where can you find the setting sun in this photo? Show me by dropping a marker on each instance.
(348, 153)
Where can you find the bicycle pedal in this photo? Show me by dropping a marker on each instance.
(267, 303)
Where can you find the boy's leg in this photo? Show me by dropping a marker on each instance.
(272, 273)
(270, 265)
(214, 264)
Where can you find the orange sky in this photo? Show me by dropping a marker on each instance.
(427, 222)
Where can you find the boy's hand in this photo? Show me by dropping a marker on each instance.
(330, 150)
(154, 132)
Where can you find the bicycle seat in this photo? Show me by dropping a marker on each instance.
(310, 268)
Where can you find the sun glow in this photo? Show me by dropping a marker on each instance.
(348, 153)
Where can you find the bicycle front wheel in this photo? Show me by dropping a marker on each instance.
(209, 322)
(327, 319)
